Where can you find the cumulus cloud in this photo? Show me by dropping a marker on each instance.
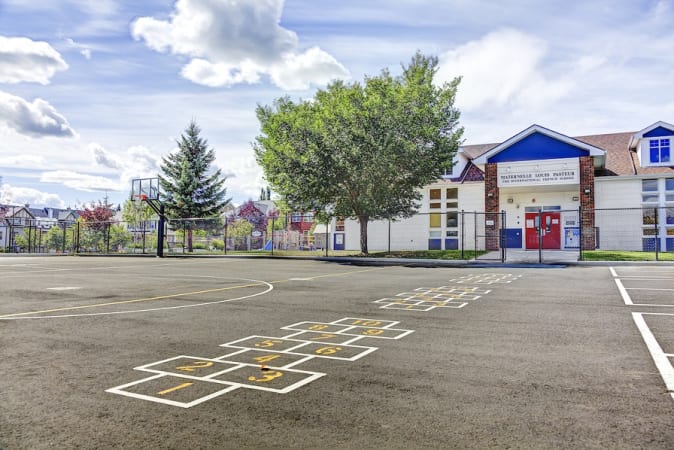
(244, 177)
(232, 42)
(79, 181)
(37, 119)
(502, 68)
(13, 195)
(25, 60)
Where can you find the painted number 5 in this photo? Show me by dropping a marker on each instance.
(266, 377)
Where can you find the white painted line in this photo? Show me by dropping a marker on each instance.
(648, 289)
(64, 288)
(623, 292)
(148, 368)
(613, 272)
(300, 279)
(389, 323)
(659, 357)
(120, 391)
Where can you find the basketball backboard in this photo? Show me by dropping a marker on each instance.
(145, 189)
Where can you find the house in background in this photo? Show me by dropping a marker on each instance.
(16, 220)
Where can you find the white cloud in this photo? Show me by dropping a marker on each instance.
(83, 49)
(502, 68)
(79, 181)
(25, 161)
(36, 119)
(25, 60)
(244, 178)
(234, 42)
(21, 195)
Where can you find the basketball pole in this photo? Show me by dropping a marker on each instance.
(160, 232)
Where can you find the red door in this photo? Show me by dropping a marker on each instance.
(550, 231)
(531, 222)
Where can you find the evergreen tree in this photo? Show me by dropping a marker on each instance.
(190, 188)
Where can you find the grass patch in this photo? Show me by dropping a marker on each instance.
(429, 254)
(615, 255)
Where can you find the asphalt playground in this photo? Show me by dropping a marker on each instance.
(123, 352)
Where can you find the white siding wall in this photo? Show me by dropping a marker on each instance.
(619, 229)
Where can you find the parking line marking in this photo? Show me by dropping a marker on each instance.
(659, 357)
(623, 292)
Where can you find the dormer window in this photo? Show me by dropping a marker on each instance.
(659, 151)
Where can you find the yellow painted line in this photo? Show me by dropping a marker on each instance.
(160, 297)
(175, 388)
(163, 297)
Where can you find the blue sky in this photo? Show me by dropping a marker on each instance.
(94, 93)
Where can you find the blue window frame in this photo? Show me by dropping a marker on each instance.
(659, 150)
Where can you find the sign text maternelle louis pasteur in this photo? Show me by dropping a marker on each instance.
(532, 175)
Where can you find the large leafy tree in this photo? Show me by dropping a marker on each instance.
(190, 187)
(362, 150)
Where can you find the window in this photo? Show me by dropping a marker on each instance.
(669, 184)
(649, 185)
(452, 198)
(649, 198)
(296, 217)
(669, 216)
(659, 150)
(649, 216)
(309, 217)
(435, 194)
(452, 219)
(435, 220)
(435, 234)
(339, 225)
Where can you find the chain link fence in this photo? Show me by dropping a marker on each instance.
(645, 233)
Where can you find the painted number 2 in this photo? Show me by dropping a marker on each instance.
(195, 365)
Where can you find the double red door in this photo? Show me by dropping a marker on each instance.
(546, 225)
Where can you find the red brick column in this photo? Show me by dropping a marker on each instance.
(491, 206)
(587, 202)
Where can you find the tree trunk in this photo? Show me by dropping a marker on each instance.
(363, 220)
(189, 240)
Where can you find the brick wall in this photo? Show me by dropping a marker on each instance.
(587, 202)
(491, 205)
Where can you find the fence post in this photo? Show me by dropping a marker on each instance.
(463, 233)
(107, 239)
(503, 236)
(273, 222)
(226, 223)
(389, 234)
(580, 232)
(657, 234)
(540, 235)
(77, 238)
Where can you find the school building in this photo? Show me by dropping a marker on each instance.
(542, 189)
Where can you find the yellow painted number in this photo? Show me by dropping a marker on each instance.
(266, 358)
(328, 350)
(322, 336)
(195, 365)
(372, 332)
(175, 388)
(268, 376)
(367, 323)
(318, 327)
(268, 343)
